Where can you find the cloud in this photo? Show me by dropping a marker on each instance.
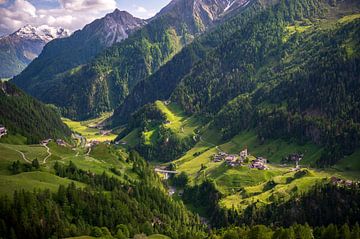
(72, 14)
(142, 11)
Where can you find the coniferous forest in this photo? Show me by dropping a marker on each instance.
(219, 119)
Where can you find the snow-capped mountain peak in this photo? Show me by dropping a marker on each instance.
(44, 33)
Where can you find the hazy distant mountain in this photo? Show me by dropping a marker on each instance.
(64, 54)
(18, 49)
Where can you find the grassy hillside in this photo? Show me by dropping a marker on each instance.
(101, 159)
(26, 117)
(90, 128)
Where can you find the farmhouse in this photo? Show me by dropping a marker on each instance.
(217, 158)
(61, 142)
(3, 131)
(230, 158)
(259, 163)
(46, 141)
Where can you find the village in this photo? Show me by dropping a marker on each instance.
(236, 160)
(260, 163)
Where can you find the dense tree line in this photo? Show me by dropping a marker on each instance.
(23, 115)
(254, 72)
(296, 231)
(167, 146)
(125, 210)
(323, 205)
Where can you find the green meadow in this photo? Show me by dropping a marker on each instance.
(100, 159)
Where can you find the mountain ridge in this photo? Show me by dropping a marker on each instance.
(83, 45)
(112, 74)
(18, 49)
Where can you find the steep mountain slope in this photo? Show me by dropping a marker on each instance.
(83, 45)
(23, 115)
(255, 78)
(161, 84)
(104, 83)
(288, 78)
(18, 49)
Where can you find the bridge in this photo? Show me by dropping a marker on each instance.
(166, 173)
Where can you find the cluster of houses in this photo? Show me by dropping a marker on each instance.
(234, 160)
(45, 141)
(341, 182)
(259, 163)
(3, 131)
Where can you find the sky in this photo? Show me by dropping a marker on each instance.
(69, 14)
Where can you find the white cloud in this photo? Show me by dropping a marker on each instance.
(73, 14)
(142, 11)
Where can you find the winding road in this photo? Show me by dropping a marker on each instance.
(49, 153)
(23, 156)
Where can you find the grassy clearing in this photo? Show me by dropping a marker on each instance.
(180, 123)
(349, 18)
(281, 187)
(101, 159)
(87, 130)
(299, 28)
(13, 139)
(32, 180)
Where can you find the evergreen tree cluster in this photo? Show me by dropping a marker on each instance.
(23, 115)
(106, 207)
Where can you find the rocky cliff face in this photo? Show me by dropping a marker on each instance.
(202, 13)
(112, 28)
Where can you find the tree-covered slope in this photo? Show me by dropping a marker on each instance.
(24, 115)
(103, 84)
(290, 72)
(162, 83)
(249, 21)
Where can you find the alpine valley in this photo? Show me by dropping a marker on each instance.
(221, 119)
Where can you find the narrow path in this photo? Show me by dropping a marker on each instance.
(49, 153)
(88, 153)
(23, 156)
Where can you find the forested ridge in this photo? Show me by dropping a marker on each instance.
(280, 75)
(23, 115)
(105, 207)
(113, 73)
(292, 64)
